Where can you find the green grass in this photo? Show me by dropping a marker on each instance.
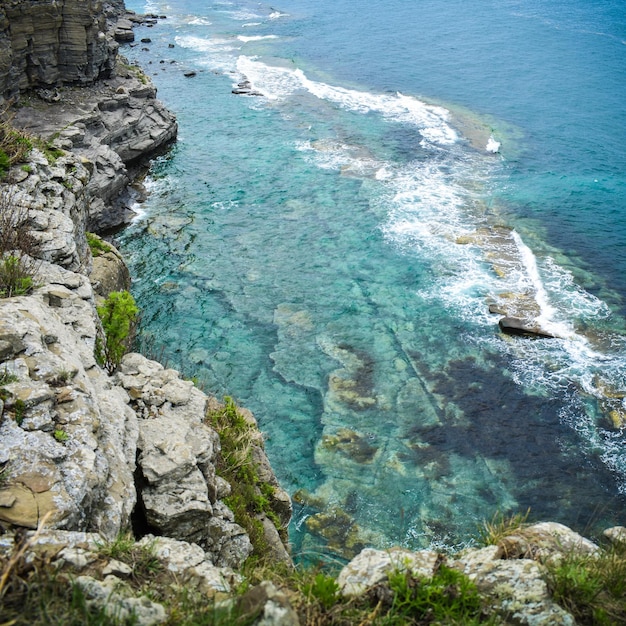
(97, 245)
(591, 588)
(250, 496)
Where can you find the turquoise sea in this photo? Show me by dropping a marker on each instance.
(327, 251)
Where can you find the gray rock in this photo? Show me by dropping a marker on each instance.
(546, 540)
(523, 328)
(516, 590)
(112, 596)
(270, 604)
(371, 567)
(616, 535)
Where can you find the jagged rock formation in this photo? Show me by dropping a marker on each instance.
(46, 44)
(78, 445)
(48, 52)
(114, 126)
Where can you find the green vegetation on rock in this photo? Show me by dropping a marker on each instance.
(250, 496)
(97, 245)
(119, 317)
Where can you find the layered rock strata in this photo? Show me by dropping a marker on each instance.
(46, 44)
(49, 51)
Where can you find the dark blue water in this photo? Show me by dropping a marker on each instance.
(326, 252)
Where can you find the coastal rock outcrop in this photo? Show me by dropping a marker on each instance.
(114, 126)
(49, 52)
(47, 44)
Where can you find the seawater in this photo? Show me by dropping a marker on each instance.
(326, 252)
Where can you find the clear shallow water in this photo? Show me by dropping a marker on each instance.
(326, 253)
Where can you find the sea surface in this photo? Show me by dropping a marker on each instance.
(335, 246)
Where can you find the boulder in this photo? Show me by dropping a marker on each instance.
(546, 540)
(523, 328)
(371, 567)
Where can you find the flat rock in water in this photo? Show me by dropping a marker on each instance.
(523, 328)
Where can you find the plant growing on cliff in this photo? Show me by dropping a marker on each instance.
(118, 315)
(15, 145)
(97, 245)
(250, 496)
(591, 588)
(18, 247)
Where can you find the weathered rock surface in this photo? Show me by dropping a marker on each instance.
(47, 44)
(109, 272)
(523, 328)
(68, 435)
(371, 567)
(112, 125)
(516, 589)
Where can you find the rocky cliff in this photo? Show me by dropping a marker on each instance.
(49, 51)
(85, 455)
(45, 44)
(86, 451)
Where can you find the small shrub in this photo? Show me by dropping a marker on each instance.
(119, 317)
(6, 377)
(15, 277)
(97, 245)
(19, 410)
(15, 145)
(323, 588)
(17, 247)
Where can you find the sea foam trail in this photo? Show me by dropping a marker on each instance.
(277, 83)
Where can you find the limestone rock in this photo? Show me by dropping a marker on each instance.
(517, 591)
(545, 540)
(191, 564)
(523, 328)
(177, 462)
(371, 567)
(616, 535)
(112, 596)
(271, 605)
(86, 481)
(109, 272)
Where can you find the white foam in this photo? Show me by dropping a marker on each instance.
(431, 120)
(546, 318)
(217, 54)
(245, 39)
(351, 160)
(275, 83)
(274, 15)
(200, 21)
(249, 24)
(202, 44)
(492, 146)
(280, 82)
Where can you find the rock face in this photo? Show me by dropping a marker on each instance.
(49, 51)
(113, 125)
(87, 451)
(46, 44)
(68, 435)
(176, 462)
